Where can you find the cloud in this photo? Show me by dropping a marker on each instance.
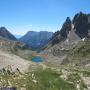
(30, 25)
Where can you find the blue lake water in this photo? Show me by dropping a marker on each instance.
(37, 59)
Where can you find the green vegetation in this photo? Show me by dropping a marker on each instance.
(42, 80)
(50, 80)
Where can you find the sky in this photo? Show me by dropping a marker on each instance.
(20, 16)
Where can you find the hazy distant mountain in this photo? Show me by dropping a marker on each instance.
(36, 40)
(4, 33)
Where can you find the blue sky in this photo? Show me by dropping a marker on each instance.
(20, 16)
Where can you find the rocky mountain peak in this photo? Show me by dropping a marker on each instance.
(79, 16)
(66, 28)
(68, 20)
(80, 22)
(3, 29)
(78, 27)
(63, 33)
(4, 33)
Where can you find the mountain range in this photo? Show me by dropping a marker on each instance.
(72, 31)
(32, 39)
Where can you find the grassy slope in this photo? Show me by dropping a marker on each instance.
(46, 80)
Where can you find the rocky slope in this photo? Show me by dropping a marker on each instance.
(80, 54)
(36, 40)
(13, 61)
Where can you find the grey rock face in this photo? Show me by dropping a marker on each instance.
(80, 22)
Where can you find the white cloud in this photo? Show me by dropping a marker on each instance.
(30, 25)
